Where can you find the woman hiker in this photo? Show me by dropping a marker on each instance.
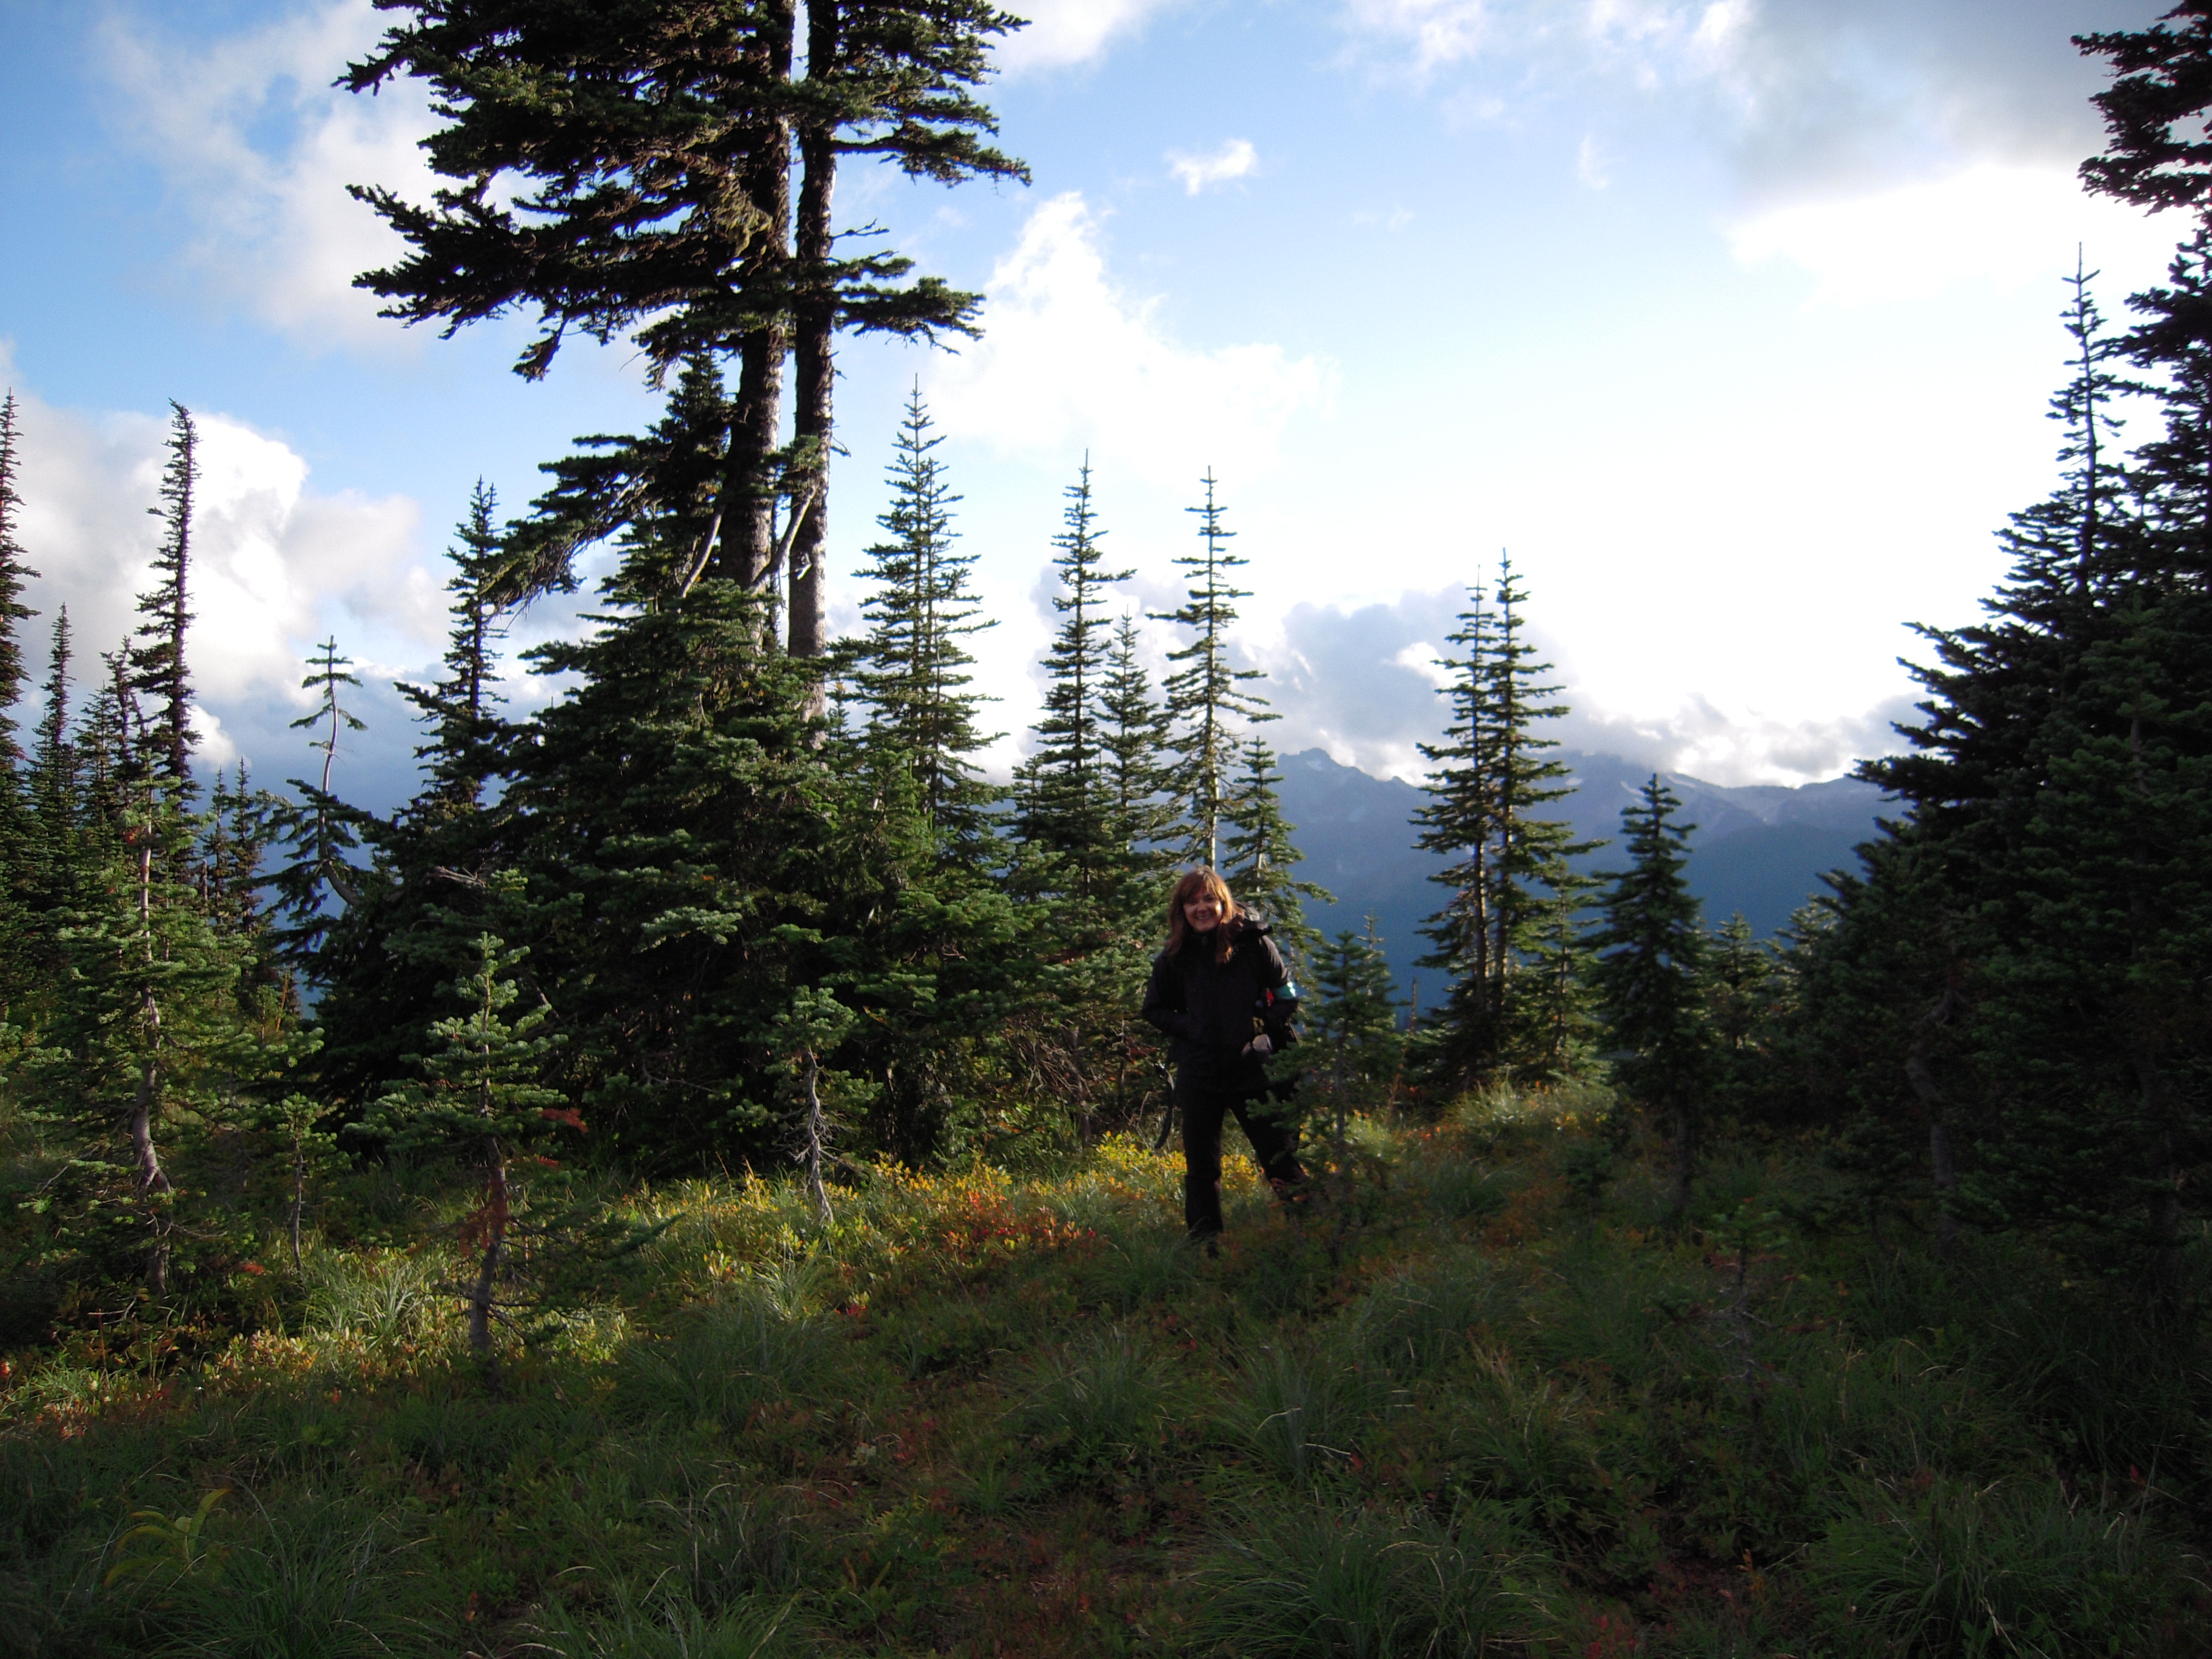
(1204, 987)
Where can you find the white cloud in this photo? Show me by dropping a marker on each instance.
(1437, 32)
(259, 148)
(1067, 32)
(1593, 168)
(1070, 362)
(1985, 226)
(1235, 160)
(274, 565)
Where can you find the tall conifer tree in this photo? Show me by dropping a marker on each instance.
(1510, 870)
(1207, 699)
(13, 612)
(921, 615)
(159, 675)
(1064, 800)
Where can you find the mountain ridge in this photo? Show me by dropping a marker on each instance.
(1758, 849)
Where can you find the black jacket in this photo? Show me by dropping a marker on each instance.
(1205, 1007)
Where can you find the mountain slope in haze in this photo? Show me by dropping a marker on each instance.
(1758, 849)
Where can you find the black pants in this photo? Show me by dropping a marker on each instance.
(1204, 1107)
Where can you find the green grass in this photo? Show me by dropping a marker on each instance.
(1492, 1407)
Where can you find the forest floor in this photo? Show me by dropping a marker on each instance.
(1482, 1394)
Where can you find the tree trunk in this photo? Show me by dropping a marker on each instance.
(1686, 1158)
(1942, 1172)
(812, 1152)
(817, 318)
(747, 555)
(153, 1180)
(484, 1294)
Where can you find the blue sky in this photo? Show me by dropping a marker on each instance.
(1732, 320)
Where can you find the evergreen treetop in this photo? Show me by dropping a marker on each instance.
(1205, 697)
(13, 612)
(920, 612)
(1065, 801)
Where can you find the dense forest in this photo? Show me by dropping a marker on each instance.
(690, 1180)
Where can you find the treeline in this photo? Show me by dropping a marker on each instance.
(740, 893)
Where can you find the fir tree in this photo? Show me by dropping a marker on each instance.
(19, 848)
(893, 80)
(1741, 1005)
(1354, 1011)
(657, 144)
(467, 737)
(1262, 855)
(1133, 740)
(1205, 697)
(159, 678)
(54, 777)
(1064, 806)
(920, 612)
(320, 831)
(1510, 871)
(481, 1098)
(13, 612)
(1649, 975)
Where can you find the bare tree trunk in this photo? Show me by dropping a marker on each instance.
(812, 1152)
(484, 1294)
(153, 1179)
(816, 375)
(299, 1194)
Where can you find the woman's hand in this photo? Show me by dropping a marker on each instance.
(1259, 1045)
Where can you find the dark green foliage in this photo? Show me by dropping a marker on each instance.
(20, 851)
(654, 142)
(1650, 975)
(1259, 855)
(13, 612)
(1508, 937)
(920, 612)
(1997, 1010)
(1133, 734)
(1065, 805)
(1352, 1016)
(159, 676)
(1207, 697)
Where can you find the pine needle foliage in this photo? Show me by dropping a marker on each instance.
(1510, 872)
(1650, 975)
(1207, 699)
(920, 611)
(1065, 805)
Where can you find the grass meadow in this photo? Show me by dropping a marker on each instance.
(1478, 1396)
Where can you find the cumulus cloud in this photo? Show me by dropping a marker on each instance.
(1363, 684)
(1062, 33)
(1235, 160)
(1072, 361)
(1799, 95)
(275, 564)
(1991, 225)
(258, 149)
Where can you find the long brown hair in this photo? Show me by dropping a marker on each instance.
(1194, 883)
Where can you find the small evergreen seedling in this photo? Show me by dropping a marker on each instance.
(479, 1096)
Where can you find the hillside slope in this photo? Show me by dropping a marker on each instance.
(1450, 1408)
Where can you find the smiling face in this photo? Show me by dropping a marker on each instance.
(1203, 912)
(1200, 904)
